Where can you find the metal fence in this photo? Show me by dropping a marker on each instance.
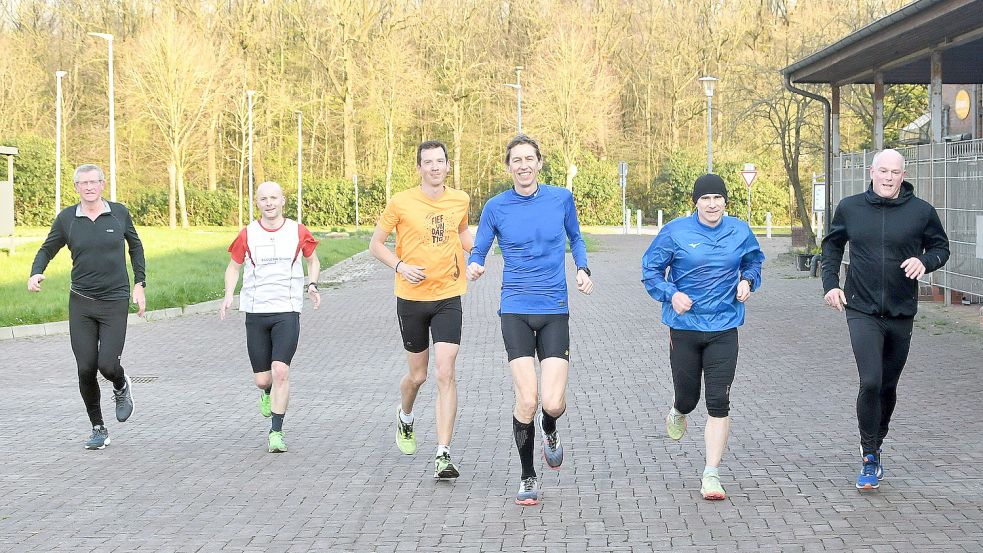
(950, 177)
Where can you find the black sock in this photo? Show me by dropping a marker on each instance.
(525, 434)
(549, 422)
(268, 390)
(277, 422)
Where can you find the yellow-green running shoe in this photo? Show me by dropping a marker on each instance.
(711, 488)
(264, 405)
(444, 468)
(276, 443)
(405, 440)
(675, 425)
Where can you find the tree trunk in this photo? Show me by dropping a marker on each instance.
(213, 154)
(390, 153)
(171, 195)
(349, 115)
(458, 138)
(800, 204)
(182, 202)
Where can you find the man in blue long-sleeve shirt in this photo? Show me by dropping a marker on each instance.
(714, 264)
(533, 222)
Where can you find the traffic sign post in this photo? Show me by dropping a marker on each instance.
(749, 173)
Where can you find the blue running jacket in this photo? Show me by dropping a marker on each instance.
(706, 264)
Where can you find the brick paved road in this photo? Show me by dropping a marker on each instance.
(189, 471)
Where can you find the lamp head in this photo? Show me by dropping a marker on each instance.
(708, 83)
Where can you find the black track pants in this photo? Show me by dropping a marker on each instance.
(98, 330)
(880, 346)
(712, 355)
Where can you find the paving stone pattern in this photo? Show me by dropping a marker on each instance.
(190, 471)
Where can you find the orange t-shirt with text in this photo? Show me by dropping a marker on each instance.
(427, 235)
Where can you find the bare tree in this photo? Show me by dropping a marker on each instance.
(174, 75)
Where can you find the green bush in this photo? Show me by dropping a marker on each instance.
(34, 180)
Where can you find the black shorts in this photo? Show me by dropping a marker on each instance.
(545, 335)
(442, 319)
(271, 337)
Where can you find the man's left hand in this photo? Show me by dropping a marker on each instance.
(315, 297)
(584, 283)
(139, 298)
(743, 291)
(913, 268)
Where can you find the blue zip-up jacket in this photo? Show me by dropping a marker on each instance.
(706, 264)
(532, 233)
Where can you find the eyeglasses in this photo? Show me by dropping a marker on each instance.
(85, 183)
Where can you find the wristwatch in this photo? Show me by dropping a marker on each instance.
(749, 283)
(314, 284)
(585, 269)
(142, 283)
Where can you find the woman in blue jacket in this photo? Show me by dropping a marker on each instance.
(714, 264)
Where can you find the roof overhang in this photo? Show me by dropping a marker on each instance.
(900, 46)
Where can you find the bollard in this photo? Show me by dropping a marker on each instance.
(768, 225)
(660, 219)
(638, 216)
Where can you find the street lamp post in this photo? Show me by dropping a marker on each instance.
(249, 107)
(300, 150)
(112, 118)
(58, 76)
(517, 85)
(708, 83)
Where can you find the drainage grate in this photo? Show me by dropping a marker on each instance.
(143, 379)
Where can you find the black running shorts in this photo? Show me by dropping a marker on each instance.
(545, 335)
(441, 319)
(271, 337)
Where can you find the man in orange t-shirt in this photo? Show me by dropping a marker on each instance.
(431, 224)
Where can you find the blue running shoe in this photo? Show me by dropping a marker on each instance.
(880, 467)
(552, 448)
(867, 479)
(528, 492)
(99, 438)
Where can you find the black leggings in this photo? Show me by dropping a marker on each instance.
(880, 346)
(98, 330)
(712, 354)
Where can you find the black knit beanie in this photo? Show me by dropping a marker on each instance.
(709, 184)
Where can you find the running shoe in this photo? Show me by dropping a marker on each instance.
(675, 425)
(276, 443)
(265, 408)
(711, 488)
(867, 479)
(880, 467)
(405, 440)
(124, 400)
(552, 448)
(528, 492)
(99, 438)
(444, 468)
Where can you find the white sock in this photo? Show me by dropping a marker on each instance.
(676, 413)
(442, 449)
(715, 471)
(406, 418)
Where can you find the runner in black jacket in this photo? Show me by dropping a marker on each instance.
(895, 238)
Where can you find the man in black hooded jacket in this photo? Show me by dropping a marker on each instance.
(895, 238)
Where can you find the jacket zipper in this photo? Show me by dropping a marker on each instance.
(883, 260)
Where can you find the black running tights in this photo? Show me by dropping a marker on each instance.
(98, 330)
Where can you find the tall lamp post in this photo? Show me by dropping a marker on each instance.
(517, 85)
(249, 107)
(112, 118)
(300, 151)
(58, 76)
(708, 83)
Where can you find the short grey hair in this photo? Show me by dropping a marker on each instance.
(877, 157)
(88, 168)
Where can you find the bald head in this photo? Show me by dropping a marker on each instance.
(887, 156)
(887, 173)
(270, 201)
(269, 187)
